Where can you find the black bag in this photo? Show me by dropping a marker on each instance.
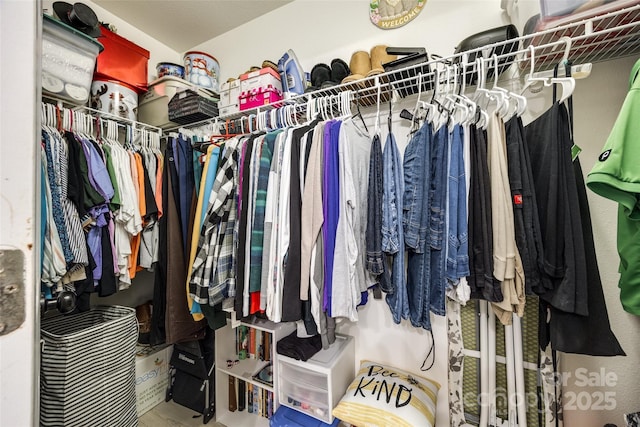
(192, 381)
(506, 40)
(402, 80)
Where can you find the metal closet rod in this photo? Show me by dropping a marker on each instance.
(122, 121)
(611, 35)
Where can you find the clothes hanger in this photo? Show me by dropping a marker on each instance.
(414, 121)
(461, 91)
(294, 115)
(515, 102)
(439, 114)
(359, 113)
(567, 84)
(507, 101)
(454, 101)
(376, 130)
(389, 117)
(494, 95)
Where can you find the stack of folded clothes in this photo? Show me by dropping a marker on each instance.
(299, 348)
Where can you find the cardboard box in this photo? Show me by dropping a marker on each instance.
(229, 93)
(152, 376)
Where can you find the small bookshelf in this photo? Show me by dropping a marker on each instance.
(242, 352)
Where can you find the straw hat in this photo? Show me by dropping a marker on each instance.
(360, 66)
(379, 56)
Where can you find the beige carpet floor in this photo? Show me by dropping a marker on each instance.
(170, 414)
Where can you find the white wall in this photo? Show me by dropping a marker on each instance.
(321, 31)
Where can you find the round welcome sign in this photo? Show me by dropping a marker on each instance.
(388, 14)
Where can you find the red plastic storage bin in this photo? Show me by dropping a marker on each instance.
(122, 60)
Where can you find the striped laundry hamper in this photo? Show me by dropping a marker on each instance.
(87, 375)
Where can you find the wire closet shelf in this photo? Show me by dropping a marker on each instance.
(123, 122)
(599, 38)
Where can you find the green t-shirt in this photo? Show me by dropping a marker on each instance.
(616, 176)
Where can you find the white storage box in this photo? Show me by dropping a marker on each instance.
(229, 98)
(68, 61)
(316, 386)
(230, 93)
(152, 376)
(261, 78)
(153, 106)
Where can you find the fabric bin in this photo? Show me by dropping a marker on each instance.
(122, 60)
(87, 374)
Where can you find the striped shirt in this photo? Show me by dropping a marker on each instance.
(257, 230)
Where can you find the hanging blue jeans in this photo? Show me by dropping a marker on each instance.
(417, 179)
(417, 158)
(437, 222)
(457, 243)
(392, 230)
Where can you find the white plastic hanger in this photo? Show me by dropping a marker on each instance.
(309, 109)
(474, 108)
(517, 104)
(454, 101)
(568, 84)
(494, 94)
(439, 115)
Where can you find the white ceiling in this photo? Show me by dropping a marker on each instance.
(183, 24)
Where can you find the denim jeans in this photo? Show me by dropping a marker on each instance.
(392, 229)
(437, 210)
(374, 263)
(457, 243)
(416, 223)
(417, 157)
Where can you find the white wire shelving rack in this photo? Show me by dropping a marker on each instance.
(121, 121)
(594, 39)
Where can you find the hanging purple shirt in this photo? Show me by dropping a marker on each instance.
(94, 238)
(330, 205)
(98, 173)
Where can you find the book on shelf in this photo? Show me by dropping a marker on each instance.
(252, 343)
(267, 347)
(256, 401)
(242, 341)
(242, 397)
(259, 348)
(250, 398)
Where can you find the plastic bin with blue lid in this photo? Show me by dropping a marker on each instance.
(287, 417)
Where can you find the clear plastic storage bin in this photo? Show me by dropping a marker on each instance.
(68, 61)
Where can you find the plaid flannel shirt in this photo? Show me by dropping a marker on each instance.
(213, 271)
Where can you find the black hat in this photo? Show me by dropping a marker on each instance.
(79, 16)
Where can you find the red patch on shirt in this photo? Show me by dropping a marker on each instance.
(517, 199)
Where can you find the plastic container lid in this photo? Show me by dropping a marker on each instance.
(50, 23)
